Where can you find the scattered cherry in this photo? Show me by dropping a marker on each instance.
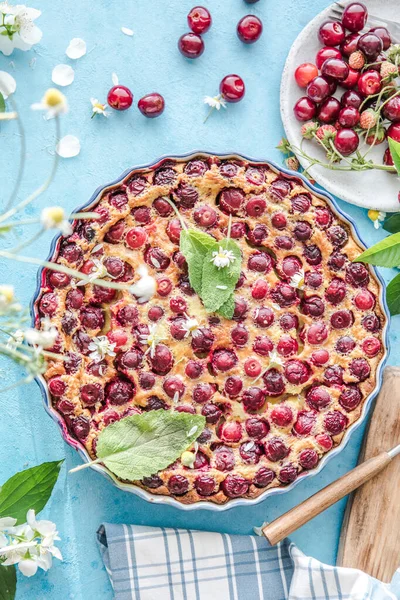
(249, 29)
(151, 105)
(120, 97)
(199, 19)
(191, 45)
(232, 88)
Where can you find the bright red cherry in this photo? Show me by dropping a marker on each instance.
(249, 29)
(351, 80)
(331, 33)
(349, 44)
(191, 45)
(151, 105)
(324, 53)
(349, 117)
(335, 68)
(369, 82)
(199, 19)
(305, 109)
(305, 73)
(355, 16)
(232, 88)
(346, 141)
(120, 97)
(391, 110)
(351, 98)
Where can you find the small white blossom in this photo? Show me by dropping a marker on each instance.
(222, 258)
(377, 217)
(13, 342)
(53, 217)
(54, 102)
(98, 108)
(5, 524)
(275, 360)
(98, 272)
(43, 338)
(156, 334)
(190, 326)
(101, 347)
(215, 102)
(297, 280)
(145, 288)
(22, 33)
(76, 49)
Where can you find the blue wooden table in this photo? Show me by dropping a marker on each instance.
(148, 61)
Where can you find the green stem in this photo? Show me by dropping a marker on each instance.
(28, 242)
(22, 155)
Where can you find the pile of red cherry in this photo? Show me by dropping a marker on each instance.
(366, 65)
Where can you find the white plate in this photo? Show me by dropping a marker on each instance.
(370, 189)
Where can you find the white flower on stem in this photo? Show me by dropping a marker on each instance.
(215, 102)
(155, 336)
(6, 296)
(190, 327)
(297, 280)
(98, 108)
(8, 85)
(5, 524)
(63, 75)
(13, 342)
(42, 338)
(101, 347)
(275, 360)
(98, 272)
(145, 288)
(222, 258)
(54, 102)
(68, 147)
(53, 217)
(18, 29)
(377, 217)
(76, 49)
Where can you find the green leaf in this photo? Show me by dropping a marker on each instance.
(28, 489)
(392, 223)
(385, 253)
(194, 246)
(140, 445)
(8, 583)
(393, 295)
(228, 308)
(395, 152)
(2, 103)
(218, 284)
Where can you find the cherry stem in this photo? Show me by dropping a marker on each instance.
(208, 114)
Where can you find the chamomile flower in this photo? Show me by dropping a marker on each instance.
(275, 360)
(42, 338)
(98, 108)
(377, 217)
(222, 258)
(190, 327)
(54, 102)
(145, 288)
(297, 280)
(98, 272)
(155, 336)
(215, 102)
(101, 347)
(53, 217)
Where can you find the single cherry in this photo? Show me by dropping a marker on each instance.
(305, 109)
(120, 97)
(151, 105)
(232, 88)
(331, 33)
(305, 73)
(335, 68)
(370, 45)
(355, 16)
(199, 19)
(346, 141)
(324, 53)
(369, 82)
(249, 29)
(191, 45)
(318, 89)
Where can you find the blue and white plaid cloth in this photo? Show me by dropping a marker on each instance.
(154, 563)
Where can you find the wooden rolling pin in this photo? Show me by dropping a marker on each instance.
(316, 504)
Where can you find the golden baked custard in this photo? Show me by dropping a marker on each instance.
(278, 384)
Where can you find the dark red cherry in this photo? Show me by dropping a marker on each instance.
(191, 45)
(224, 459)
(178, 485)
(305, 422)
(274, 383)
(333, 375)
(276, 449)
(354, 17)
(360, 368)
(232, 88)
(234, 486)
(329, 110)
(250, 452)
(203, 392)
(253, 399)
(240, 336)
(233, 386)
(318, 397)
(302, 231)
(263, 316)
(287, 474)
(342, 319)
(282, 415)
(193, 369)
(335, 68)
(308, 458)
(297, 372)
(223, 360)
(162, 360)
(279, 221)
(331, 33)
(257, 428)
(317, 333)
(352, 99)
(313, 306)
(336, 291)
(288, 321)
(335, 422)
(199, 19)
(324, 53)
(81, 427)
(249, 29)
(305, 109)
(263, 477)
(48, 304)
(350, 397)
(384, 34)
(205, 485)
(280, 188)
(231, 200)
(346, 141)
(119, 391)
(370, 45)
(349, 117)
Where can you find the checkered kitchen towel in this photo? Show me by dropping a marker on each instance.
(154, 563)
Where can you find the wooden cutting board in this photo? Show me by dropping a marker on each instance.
(370, 536)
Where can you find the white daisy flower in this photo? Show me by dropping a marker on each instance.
(98, 108)
(215, 102)
(190, 326)
(54, 102)
(222, 258)
(101, 347)
(377, 217)
(297, 280)
(98, 272)
(53, 217)
(155, 336)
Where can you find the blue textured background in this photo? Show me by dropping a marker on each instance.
(147, 62)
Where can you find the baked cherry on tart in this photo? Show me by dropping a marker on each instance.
(278, 383)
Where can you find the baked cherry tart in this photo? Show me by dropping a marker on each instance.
(279, 381)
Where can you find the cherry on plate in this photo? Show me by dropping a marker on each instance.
(369, 82)
(305, 73)
(151, 105)
(318, 89)
(120, 97)
(329, 110)
(331, 33)
(355, 16)
(232, 88)
(305, 109)
(351, 80)
(199, 19)
(191, 45)
(249, 29)
(394, 132)
(335, 68)
(349, 117)
(383, 33)
(346, 141)
(327, 52)
(370, 45)
(349, 44)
